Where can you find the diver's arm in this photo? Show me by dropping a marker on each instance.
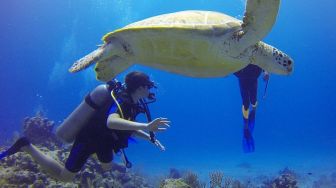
(142, 134)
(146, 136)
(114, 121)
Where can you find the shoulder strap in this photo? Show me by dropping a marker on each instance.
(149, 119)
(117, 103)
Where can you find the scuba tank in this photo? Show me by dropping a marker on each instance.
(71, 126)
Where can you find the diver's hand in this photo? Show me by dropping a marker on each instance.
(158, 144)
(266, 76)
(158, 124)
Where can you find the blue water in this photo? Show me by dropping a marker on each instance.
(295, 124)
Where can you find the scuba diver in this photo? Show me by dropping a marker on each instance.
(102, 124)
(248, 84)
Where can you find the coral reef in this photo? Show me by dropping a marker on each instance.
(39, 130)
(191, 179)
(20, 170)
(217, 179)
(287, 179)
(174, 183)
(288, 171)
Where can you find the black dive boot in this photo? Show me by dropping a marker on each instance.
(21, 142)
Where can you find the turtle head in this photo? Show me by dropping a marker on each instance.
(271, 59)
(282, 63)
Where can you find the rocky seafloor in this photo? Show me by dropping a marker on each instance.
(20, 170)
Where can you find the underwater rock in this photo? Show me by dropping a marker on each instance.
(108, 183)
(174, 183)
(38, 184)
(87, 178)
(124, 178)
(22, 177)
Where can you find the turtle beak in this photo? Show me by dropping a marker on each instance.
(290, 67)
(290, 70)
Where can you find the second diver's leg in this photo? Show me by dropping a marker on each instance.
(244, 92)
(248, 142)
(253, 90)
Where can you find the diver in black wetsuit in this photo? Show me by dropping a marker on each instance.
(107, 131)
(248, 84)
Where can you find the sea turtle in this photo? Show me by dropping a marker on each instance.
(192, 43)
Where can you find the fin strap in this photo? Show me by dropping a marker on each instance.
(245, 112)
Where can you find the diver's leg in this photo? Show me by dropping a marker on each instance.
(47, 163)
(105, 155)
(106, 166)
(78, 156)
(50, 165)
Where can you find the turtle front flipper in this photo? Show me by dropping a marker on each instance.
(110, 68)
(259, 18)
(112, 58)
(88, 60)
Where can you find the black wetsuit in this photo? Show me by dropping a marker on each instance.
(97, 138)
(248, 83)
